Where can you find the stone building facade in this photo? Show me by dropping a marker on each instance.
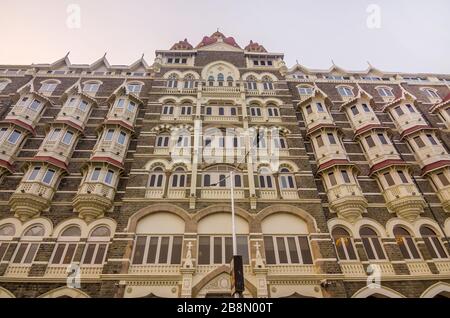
(116, 180)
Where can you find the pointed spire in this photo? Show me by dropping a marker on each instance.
(67, 55)
(105, 54)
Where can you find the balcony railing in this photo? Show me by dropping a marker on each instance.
(268, 194)
(97, 188)
(176, 193)
(292, 269)
(73, 114)
(430, 154)
(123, 114)
(220, 118)
(408, 121)
(110, 148)
(363, 119)
(223, 194)
(381, 153)
(36, 188)
(289, 194)
(154, 193)
(25, 114)
(330, 152)
(315, 118)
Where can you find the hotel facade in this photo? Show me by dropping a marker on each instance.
(116, 180)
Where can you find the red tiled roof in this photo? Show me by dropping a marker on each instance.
(108, 160)
(369, 127)
(208, 40)
(386, 163)
(21, 124)
(434, 166)
(182, 45)
(255, 47)
(119, 122)
(50, 160)
(333, 162)
(319, 126)
(414, 129)
(70, 123)
(5, 164)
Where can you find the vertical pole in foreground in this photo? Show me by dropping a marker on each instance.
(233, 222)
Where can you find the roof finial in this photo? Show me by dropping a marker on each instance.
(218, 30)
(296, 61)
(105, 54)
(333, 62)
(142, 57)
(67, 54)
(370, 65)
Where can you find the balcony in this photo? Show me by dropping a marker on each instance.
(289, 194)
(404, 200)
(362, 119)
(176, 193)
(57, 149)
(418, 268)
(269, 92)
(23, 113)
(329, 152)
(318, 118)
(381, 153)
(430, 154)
(352, 269)
(110, 149)
(444, 196)
(123, 114)
(93, 200)
(86, 271)
(443, 266)
(223, 155)
(407, 121)
(220, 118)
(154, 193)
(8, 150)
(152, 269)
(268, 194)
(347, 201)
(17, 270)
(385, 268)
(292, 269)
(30, 199)
(221, 194)
(221, 91)
(74, 115)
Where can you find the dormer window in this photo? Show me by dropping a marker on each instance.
(431, 93)
(34, 105)
(3, 84)
(320, 108)
(91, 87)
(267, 83)
(305, 90)
(172, 81)
(251, 83)
(410, 108)
(48, 87)
(366, 108)
(345, 91)
(385, 92)
(134, 88)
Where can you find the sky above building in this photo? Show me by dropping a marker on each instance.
(393, 35)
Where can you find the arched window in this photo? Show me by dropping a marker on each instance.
(272, 111)
(220, 79)
(267, 83)
(371, 243)
(91, 87)
(179, 178)
(265, 179)
(189, 81)
(385, 92)
(344, 244)
(431, 93)
(66, 246)
(48, 87)
(219, 176)
(345, 91)
(159, 239)
(255, 110)
(406, 243)
(286, 179)
(7, 231)
(305, 90)
(3, 84)
(97, 244)
(172, 81)
(156, 179)
(230, 80)
(186, 109)
(251, 83)
(29, 245)
(432, 242)
(211, 80)
(162, 141)
(168, 109)
(280, 142)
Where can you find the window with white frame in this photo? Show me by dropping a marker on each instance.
(219, 176)
(344, 244)
(286, 179)
(156, 178)
(134, 87)
(372, 244)
(48, 87)
(3, 85)
(272, 111)
(345, 91)
(66, 246)
(156, 249)
(251, 83)
(255, 111)
(406, 243)
(45, 175)
(34, 105)
(432, 242)
(7, 231)
(267, 83)
(265, 179)
(305, 90)
(218, 249)
(178, 178)
(189, 81)
(172, 81)
(121, 138)
(168, 109)
(287, 249)
(67, 138)
(91, 87)
(29, 244)
(186, 110)
(163, 140)
(96, 246)
(431, 93)
(14, 136)
(385, 92)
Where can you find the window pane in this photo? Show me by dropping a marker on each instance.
(14, 136)
(139, 248)
(58, 253)
(389, 179)
(305, 250)
(31, 253)
(282, 254)
(345, 176)
(109, 176)
(228, 249)
(368, 248)
(90, 248)
(440, 249)
(412, 247)
(382, 139)
(331, 139)
(3, 248)
(217, 250)
(269, 249)
(430, 248)
(176, 250)
(378, 248)
(48, 176)
(242, 248)
(152, 248)
(34, 173)
(20, 252)
(100, 254)
(69, 254)
(164, 250)
(122, 137)
(67, 137)
(204, 250)
(95, 174)
(293, 250)
(402, 176)
(370, 141)
(443, 179)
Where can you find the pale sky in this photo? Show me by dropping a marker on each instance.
(414, 35)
